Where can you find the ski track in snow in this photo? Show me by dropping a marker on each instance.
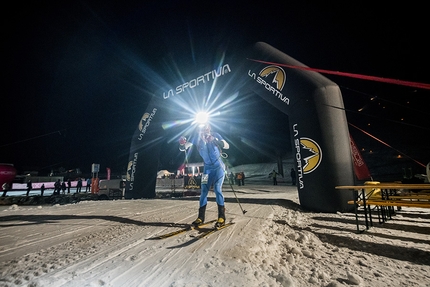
(106, 243)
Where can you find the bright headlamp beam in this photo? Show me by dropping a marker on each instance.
(201, 118)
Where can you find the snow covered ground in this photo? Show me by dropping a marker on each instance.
(275, 243)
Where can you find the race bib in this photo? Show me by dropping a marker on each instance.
(205, 178)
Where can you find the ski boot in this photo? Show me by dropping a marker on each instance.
(221, 216)
(201, 217)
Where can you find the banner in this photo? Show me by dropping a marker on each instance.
(360, 168)
(144, 153)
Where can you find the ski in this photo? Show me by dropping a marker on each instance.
(189, 228)
(213, 230)
(200, 236)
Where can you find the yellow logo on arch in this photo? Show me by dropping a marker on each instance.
(129, 168)
(142, 120)
(312, 161)
(279, 77)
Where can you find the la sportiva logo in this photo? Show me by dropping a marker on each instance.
(192, 183)
(128, 174)
(308, 155)
(279, 75)
(313, 160)
(204, 79)
(273, 79)
(145, 121)
(131, 170)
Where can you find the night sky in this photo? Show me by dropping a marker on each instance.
(79, 74)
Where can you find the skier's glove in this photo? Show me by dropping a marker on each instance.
(219, 143)
(182, 142)
(209, 138)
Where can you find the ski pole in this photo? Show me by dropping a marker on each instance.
(237, 199)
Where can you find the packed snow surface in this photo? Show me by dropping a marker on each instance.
(275, 243)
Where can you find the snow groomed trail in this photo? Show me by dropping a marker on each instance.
(276, 243)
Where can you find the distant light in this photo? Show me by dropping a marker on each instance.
(370, 151)
(360, 109)
(368, 124)
(399, 156)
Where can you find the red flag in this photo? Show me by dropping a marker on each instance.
(360, 167)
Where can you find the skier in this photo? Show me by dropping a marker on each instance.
(209, 145)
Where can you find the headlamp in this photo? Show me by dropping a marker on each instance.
(201, 118)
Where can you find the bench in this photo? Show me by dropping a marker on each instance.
(385, 207)
(384, 197)
(418, 196)
(392, 202)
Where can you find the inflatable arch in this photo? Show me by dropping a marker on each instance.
(314, 105)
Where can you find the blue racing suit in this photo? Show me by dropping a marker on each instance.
(214, 168)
